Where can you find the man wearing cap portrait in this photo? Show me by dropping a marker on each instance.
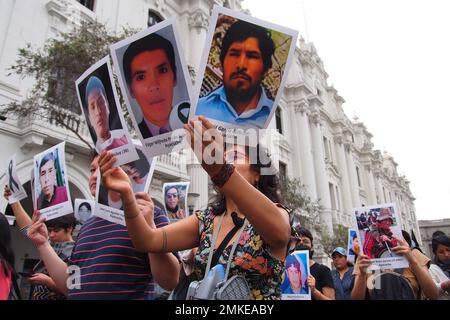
(380, 238)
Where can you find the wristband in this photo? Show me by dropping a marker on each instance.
(223, 175)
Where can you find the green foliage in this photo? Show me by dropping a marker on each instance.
(338, 239)
(54, 68)
(305, 211)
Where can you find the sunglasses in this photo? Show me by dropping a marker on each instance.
(172, 195)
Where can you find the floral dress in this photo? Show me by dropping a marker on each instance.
(252, 259)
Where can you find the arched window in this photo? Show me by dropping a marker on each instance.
(88, 4)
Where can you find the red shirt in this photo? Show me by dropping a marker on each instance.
(5, 283)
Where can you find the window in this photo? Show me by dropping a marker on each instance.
(153, 18)
(332, 196)
(359, 178)
(327, 150)
(283, 172)
(88, 4)
(278, 120)
(338, 198)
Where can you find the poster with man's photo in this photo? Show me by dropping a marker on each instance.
(242, 72)
(295, 285)
(12, 180)
(101, 108)
(84, 210)
(51, 183)
(156, 86)
(175, 200)
(379, 230)
(353, 245)
(109, 205)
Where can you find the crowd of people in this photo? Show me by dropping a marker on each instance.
(247, 230)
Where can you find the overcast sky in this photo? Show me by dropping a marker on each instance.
(390, 61)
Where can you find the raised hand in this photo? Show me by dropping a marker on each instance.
(38, 232)
(207, 143)
(363, 262)
(403, 249)
(113, 178)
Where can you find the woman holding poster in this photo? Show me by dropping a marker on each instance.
(241, 182)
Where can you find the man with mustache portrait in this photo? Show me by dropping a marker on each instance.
(246, 56)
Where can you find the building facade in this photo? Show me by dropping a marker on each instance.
(427, 228)
(331, 154)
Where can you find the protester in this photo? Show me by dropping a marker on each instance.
(261, 252)
(60, 236)
(440, 268)
(109, 267)
(343, 279)
(416, 275)
(320, 280)
(8, 275)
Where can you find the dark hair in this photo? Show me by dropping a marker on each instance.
(141, 165)
(355, 235)
(303, 232)
(269, 185)
(171, 187)
(6, 251)
(65, 222)
(149, 43)
(437, 234)
(290, 259)
(86, 205)
(440, 240)
(92, 155)
(240, 31)
(407, 237)
(46, 159)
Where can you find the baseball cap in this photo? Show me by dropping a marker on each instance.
(340, 250)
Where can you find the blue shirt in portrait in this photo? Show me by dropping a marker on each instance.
(216, 106)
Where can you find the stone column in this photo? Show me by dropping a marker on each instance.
(351, 168)
(371, 185)
(198, 22)
(199, 185)
(304, 146)
(323, 192)
(346, 191)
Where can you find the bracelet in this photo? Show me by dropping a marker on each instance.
(223, 175)
(128, 216)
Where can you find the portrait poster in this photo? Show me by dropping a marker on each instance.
(12, 180)
(379, 228)
(175, 200)
(295, 285)
(353, 245)
(156, 85)
(100, 106)
(243, 69)
(109, 205)
(84, 210)
(51, 183)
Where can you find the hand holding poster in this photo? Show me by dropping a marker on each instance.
(156, 85)
(101, 108)
(16, 190)
(109, 203)
(295, 286)
(51, 185)
(379, 230)
(243, 70)
(175, 200)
